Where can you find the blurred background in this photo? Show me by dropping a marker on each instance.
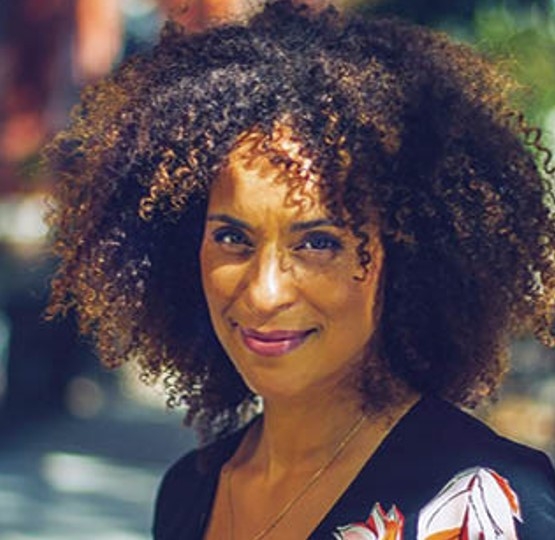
(82, 449)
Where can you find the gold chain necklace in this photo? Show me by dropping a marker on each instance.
(313, 479)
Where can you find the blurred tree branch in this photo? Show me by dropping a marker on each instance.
(518, 33)
(436, 12)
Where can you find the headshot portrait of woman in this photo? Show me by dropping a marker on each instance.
(321, 232)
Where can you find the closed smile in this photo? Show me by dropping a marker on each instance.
(274, 343)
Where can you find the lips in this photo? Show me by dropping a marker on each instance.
(274, 343)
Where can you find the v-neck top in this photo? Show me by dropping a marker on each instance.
(425, 452)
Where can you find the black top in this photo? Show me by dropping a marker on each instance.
(429, 446)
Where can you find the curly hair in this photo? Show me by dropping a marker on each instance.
(398, 120)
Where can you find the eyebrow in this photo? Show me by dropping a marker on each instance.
(298, 226)
(224, 218)
(307, 225)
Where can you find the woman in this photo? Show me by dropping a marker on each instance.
(321, 233)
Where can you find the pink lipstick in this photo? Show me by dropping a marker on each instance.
(273, 343)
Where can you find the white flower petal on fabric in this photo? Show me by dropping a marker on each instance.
(378, 526)
(477, 504)
(355, 532)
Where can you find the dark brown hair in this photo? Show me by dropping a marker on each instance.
(398, 119)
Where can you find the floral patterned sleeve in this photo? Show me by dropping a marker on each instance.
(477, 504)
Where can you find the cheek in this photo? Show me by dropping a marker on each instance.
(205, 267)
(352, 321)
(352, 303)
(208, 268)
(349, 303)
(219, 281)
(343, 281)
(214, 288)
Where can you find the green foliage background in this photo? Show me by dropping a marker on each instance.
(518, 33)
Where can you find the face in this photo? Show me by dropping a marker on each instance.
(279, 282)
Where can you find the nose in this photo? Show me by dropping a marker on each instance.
(269, 285)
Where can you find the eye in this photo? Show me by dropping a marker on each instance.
(232, 238)
(319, 241)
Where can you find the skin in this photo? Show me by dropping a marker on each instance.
(269, 266)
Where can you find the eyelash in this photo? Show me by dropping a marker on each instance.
(313, 242)
(331, 243)
(232, 237)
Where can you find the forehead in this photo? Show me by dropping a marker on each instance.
(261, 174)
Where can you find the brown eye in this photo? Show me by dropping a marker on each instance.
(319, 241)
(232, 237)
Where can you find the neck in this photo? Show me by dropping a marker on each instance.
(297, 435)
(306, 432)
